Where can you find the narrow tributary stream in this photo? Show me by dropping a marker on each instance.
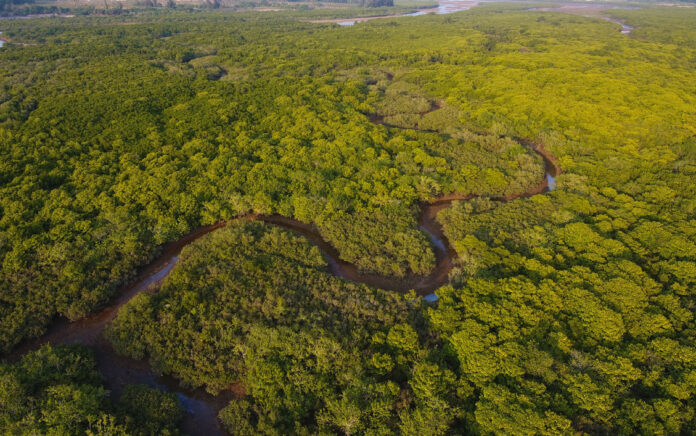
(201, 407)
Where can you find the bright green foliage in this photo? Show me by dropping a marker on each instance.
(116, 139)
(571, 312)
(253, 303)
(233, 284)
(559, 314)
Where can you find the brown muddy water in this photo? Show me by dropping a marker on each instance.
(201, 407)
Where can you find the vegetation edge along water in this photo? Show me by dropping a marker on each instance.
(89, 331)
(568, 312)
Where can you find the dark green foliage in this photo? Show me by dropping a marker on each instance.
(245, 278)
(150, 411)
(58, 391)
(253, 303)
(237, 418)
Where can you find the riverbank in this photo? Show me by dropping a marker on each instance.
(444, 7)
(201, 407)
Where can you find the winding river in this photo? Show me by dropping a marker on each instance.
(201, 407)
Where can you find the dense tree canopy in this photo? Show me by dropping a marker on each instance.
(566, 312)
(59, 391)
(150, 147)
